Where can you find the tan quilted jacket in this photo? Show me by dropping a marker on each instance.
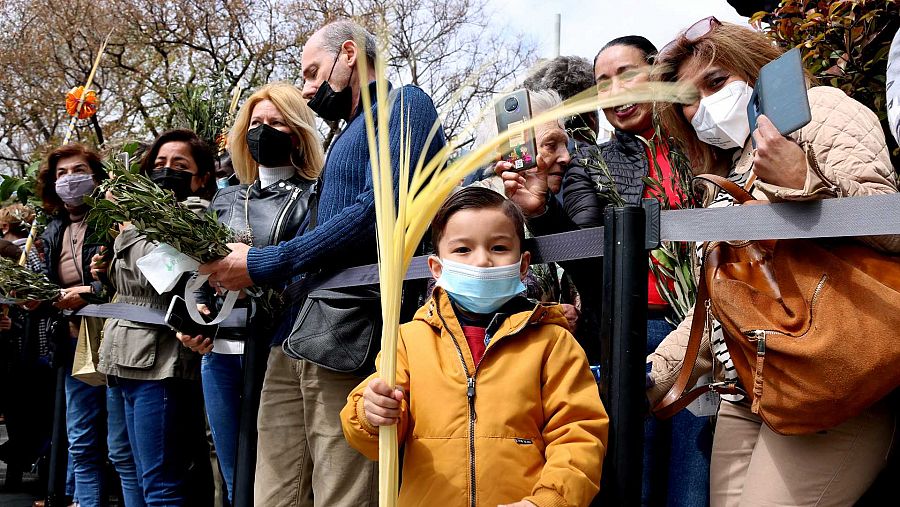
(846, 156)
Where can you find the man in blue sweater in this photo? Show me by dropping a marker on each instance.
(302, 453)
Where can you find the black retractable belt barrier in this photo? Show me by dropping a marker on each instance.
(255, 355)
(624, 345)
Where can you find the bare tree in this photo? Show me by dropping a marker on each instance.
(159, 48)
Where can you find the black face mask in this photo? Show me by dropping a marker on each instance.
(329, 104)
(179, 182)
(269, 146)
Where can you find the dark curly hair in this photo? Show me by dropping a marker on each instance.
(568, 76)
(46, 186)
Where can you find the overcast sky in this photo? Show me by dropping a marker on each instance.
(587, 25)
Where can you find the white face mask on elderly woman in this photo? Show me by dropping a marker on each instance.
(721, 120)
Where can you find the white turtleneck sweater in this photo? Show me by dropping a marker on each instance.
(271, 175)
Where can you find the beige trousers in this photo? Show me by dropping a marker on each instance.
(754, 466)
(302, 458)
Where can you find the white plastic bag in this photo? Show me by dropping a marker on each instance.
(164, 265)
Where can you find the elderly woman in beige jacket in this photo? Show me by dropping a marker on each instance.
(840, 153)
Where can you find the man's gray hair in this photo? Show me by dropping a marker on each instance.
(337, 32)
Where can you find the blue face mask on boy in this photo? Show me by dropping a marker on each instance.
(480, 290)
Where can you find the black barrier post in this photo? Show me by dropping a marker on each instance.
(59, 445)
(624, 332)
(255, 356)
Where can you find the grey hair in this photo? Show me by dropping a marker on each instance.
(541, 102)
(568, 75)
(334, 34)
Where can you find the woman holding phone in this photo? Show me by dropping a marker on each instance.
(840, 153)
(277, 155)
(158, 377)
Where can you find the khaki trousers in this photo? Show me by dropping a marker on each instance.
(754, 466)
(302, 457)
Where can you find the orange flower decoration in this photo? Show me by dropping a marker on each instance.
(88, 108)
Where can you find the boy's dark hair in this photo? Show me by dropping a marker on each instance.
(476, 198)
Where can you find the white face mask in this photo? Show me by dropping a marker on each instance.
(721, 120)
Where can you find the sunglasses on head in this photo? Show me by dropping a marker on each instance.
(692, 34)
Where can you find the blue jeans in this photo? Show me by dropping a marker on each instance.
(676, 451)
(223, 379)
(157, 413)
(120, 448)
(86, 430)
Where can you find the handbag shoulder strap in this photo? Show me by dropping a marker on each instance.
(733, 189)
(676, 399)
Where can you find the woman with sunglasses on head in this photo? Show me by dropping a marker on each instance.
(277, 155)
(676, 452)
(840, 153)
(158, 378)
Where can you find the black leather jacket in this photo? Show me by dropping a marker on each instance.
(275, 213)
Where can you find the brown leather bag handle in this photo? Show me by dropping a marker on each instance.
(739, 194)
(675, 399)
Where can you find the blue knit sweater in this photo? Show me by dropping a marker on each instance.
(345, 231)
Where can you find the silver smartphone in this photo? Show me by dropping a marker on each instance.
(512, 111)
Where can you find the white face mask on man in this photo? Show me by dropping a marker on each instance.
(721, 120)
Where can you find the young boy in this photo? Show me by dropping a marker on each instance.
(495, 400)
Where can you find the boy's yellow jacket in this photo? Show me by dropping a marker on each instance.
(527, 423)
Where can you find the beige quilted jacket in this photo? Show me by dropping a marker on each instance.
(846, 156)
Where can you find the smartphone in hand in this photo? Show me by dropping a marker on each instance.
(511, 111)
(178, 318)
(780, 94)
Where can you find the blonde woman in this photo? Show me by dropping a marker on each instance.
(277, 155)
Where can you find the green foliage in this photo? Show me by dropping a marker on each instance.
(116, 165)
(674, 263)
(10, 185)
(24, 190)
(203, 109)
(158, 216)
(18, 283)
(844, 43)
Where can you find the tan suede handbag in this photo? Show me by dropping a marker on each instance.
(812, 326)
